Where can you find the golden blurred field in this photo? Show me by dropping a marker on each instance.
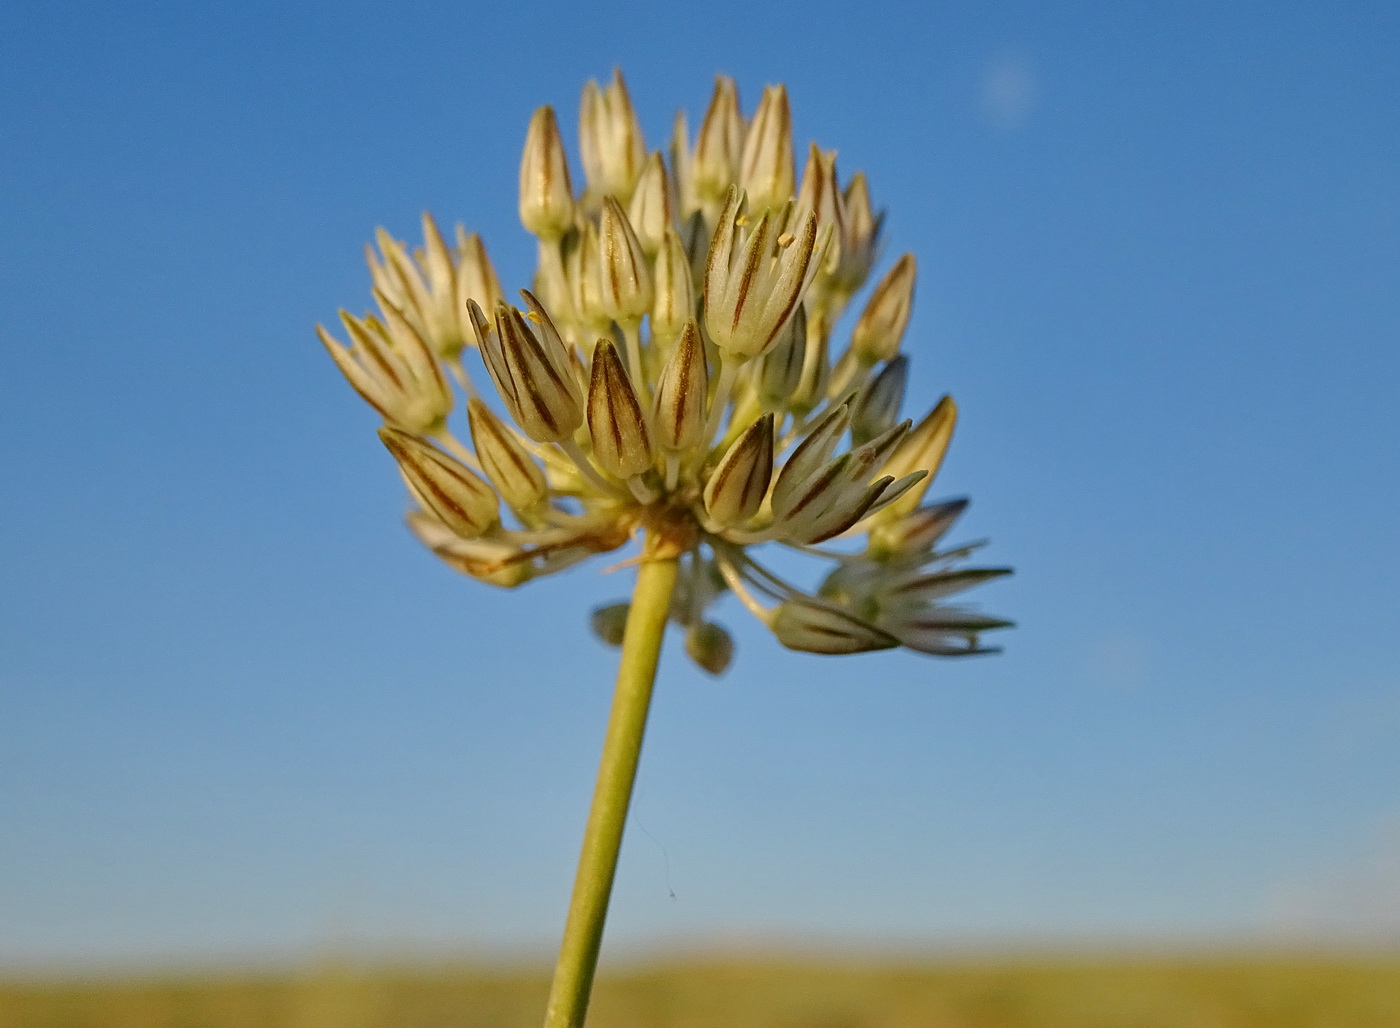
(1217, 993)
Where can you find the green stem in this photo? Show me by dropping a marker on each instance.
(583, 931)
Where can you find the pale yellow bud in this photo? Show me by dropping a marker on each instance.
(680, 412)
(504, 458)
(442, 486)
(881, 327)
(737, 486)
(674, 303)
(616, 422)
(610, 139)
(923, 450)
(546, 196)
(624, 277)
(766, 167)
(652, 211)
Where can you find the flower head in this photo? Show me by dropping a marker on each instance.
(674, 370)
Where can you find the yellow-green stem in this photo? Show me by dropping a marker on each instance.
(583, 931)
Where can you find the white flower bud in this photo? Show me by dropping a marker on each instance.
(674, 303)
(680, 411)
(476, 280)
(546, 196)
(737, 486)
(881, 327)
(861, 242)
(609, 623)
(616, 422)
(652, 211)
(610, 139)
(922, 450)
(505, 460)
(913, 536)
(719, 145)
(442, 486)
(624, 278)
(766, 167)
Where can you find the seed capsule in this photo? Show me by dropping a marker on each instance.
(710, 646)
(610, 139)
(923, 450)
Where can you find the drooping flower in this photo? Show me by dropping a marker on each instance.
(673, 369)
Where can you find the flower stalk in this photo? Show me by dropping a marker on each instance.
(617, 770)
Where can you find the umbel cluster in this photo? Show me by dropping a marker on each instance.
(671, 370)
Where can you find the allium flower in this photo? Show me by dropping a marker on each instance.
(673, 370)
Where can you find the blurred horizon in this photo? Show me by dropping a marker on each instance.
(243, 715)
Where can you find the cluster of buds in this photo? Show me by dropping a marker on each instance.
(670, 371)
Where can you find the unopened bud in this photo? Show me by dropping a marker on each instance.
(719, 145)
(616, 423)
(816, 627)
(624, 278)
(811, 455)
(609, 623)
(393, 369)
(710, 646)
(879, 402)
(737, 486)
(652, 211)
(610, 139)
(585, 280)
(533, 374)
(444, 488)
(504, 458)
(862, 239)
(766, 167)
(680, 412)
(821, 196)
(923, 449)
(782, 365)
(476, 279)
(674, 303)
(881, 327)
(546, 196)
(914, 535)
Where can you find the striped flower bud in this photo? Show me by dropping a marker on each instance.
(841, 493)
(710, 646)
(881, 327)
(820, 195)
(674, 302)
(442, 486)
(782, 365)
(766, 166)
(505, 460)
(923, 450)
(861, 241)
(652, 211)
(476, 280)
(624, 278)
(815, 627)
(753, 280)
(811, 455)
(533, 373)
(610, 139)
(546, 196)
(394, 370)
(616, 423)
(719, 146)
(680, 412)
(737, 486)
(878, 404)
(913, 535)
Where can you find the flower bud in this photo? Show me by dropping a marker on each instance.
(674, 303)
(942, 631)
(504, 458)
(624, 278)
(609, 622)
(444, 326)
(533, 374)
(861, 241)
(815, 627)
(913, 536)
(782, 365)
(476, 280)
(922, 590)
(879, 402)
(442, 486)
(546, 196)
(652, 211)
(881, 327)
(610, 139)
(821, 196)
(710, 646)
(810, 455)
(753, 281)
(737, 486)
(616, 424)
(393, 370)
(923, 450)
(680, 411)
(719, 145)
(766, 166)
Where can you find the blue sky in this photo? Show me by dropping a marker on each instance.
(243, 714)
